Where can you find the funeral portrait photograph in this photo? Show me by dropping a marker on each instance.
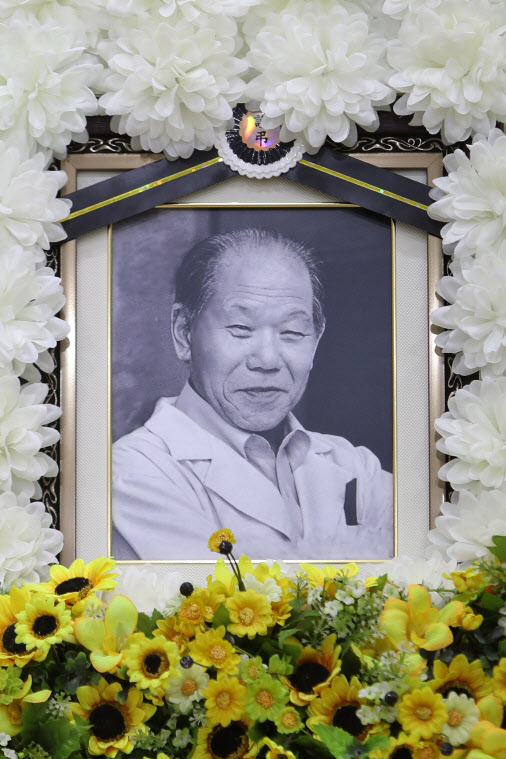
(252, 382)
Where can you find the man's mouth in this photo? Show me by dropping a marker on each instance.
(260, 392)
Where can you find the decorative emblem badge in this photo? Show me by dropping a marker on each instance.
(253, 151)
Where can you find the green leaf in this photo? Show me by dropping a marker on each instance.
(147, 624)
(502, 647)
(285, 633)
(491, 602)
(376, 742)
(305, 747)
(499, 547)
(293, 652)
(338, 741)
(350, 663)
(221, 616)
(381, 581)
(59, 737)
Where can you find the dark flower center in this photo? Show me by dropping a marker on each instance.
(107, 722)
(307, 675)
(74, 585)
(346, 718)
(228, 742)
(9, 641)
(153, 663)
(401, 752)
(44, 625)
(458, 687)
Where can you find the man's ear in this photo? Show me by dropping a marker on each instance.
(180, 329)
(318, 338)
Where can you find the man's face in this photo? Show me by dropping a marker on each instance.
(252, 345)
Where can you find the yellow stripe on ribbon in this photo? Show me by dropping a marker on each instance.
(367, 186)
(143, 188)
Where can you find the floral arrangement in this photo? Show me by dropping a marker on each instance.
(255, 664)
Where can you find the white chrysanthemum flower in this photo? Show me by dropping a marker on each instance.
(475, 321)
(188, 688)
(190, 10)
(23, 415)
(412, 570)
(45, 80)
(172, 86)
(147, 587)
(399, 8)
(29, 299)
(463, 714)
(451, 63)
(29, 208)
(269, 587)
(472, 198)
(474, 430)
(28, 543)
(321, 72)
(467, 524)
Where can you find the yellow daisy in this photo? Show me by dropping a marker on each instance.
(499, 673)
(191, 617)
(250, 613)
(218, 742)
(168, 628)
(337, 705)
(220, 536)
(43, 623)
(422, 711)
(314, 669)
(401, 747)
(113, 725)
(211, 650)
(212, 597)
(75, 584)
(461, 676)
(275, 751)
(151, 663)
(10, 651)
(226, 700)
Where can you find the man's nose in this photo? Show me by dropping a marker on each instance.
(264, 354)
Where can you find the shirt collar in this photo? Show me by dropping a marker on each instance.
(201, 412)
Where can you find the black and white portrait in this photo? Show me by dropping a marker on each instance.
(252, 383)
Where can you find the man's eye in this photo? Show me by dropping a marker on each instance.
(239, 330)
(290, 334)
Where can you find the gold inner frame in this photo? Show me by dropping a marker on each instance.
(89, 162)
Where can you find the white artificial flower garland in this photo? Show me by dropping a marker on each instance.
(169, 72)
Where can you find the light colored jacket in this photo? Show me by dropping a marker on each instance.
(174, 484)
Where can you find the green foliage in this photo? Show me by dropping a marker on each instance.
(221, 616)
(491, 602)
(499, 547)
(342, 745)
(56, 735)
(147, 623)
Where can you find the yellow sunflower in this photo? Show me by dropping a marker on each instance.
(314, 669)
(211, 650)
(499, 673)
(10, 651)
(275, 751)
(250, 613)
(226, 700)
(75, 584)
(151, 663)
(220, 536)
(43, 623)
(113, 725)
(191, 616)
(337, 705)
(168, 628)
(461, 676)
(401, 747)
(231, 742)
(423, 711)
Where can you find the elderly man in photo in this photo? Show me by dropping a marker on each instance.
(228, 452)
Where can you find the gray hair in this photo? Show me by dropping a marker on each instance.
(196, 274)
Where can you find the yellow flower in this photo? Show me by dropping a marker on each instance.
(491, 709)
(469, 580)
(11, 718)
(231, 742)
(416, 620)
(113, 725)
(461, 676)
(490, 740)
(43, 623)
(469, 620)
(403, 746)
(211, 650)
(212, 597)
(10, 651)
(499, 678)
(337, 705)
(422, 711)
(275, 751)
(75, 584)
(219, 537)
(107, 638)
(151, 663)
(315, 669)
(191, 617)
(318, 577)
(168, 628)
(225, 700)
(250, 613)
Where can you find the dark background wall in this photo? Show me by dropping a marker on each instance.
(350, 389)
